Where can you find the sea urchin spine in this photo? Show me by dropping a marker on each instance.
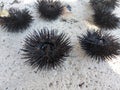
(17, 20)
(99, 46)
(49, 9)
(46, 49)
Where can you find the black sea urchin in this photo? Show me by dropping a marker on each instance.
(108, 4)
(99, 46)
(106, 20)
(17, 20)
(49, 9)
(46, 49)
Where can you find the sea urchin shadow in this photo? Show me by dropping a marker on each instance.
(46, 49)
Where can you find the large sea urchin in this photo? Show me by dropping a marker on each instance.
(49, 9)
(46, 49)
(99, 46)
(17, 20)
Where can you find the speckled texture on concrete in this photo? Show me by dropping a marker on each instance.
(79, 71)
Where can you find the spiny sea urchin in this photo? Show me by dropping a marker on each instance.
(17, 20)
(106, 20)
(46, 50)
(108, 4)
(49, 9)
(99, 46)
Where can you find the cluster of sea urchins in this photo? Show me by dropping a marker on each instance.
(17, 21)
(46, 49)
(49, 9)
(99, 46)
(103, 17)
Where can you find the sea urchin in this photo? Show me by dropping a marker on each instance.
(99, 46)
(17, 20)
(49, 9)
(106, 20)
(46, 50)
(108, 4)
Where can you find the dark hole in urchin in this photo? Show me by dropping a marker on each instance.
(109, 5)
(106, 20)
(18, 20)
(99, 46)
(49, 9)
(46, 50)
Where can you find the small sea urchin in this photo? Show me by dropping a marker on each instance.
(99, 46)
(106, 20)
(108, 4)
(46, 49)
(103, 16)
(49, 9)
(17, 20)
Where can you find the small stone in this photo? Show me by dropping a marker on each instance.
(51, 84)
(80, 85)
